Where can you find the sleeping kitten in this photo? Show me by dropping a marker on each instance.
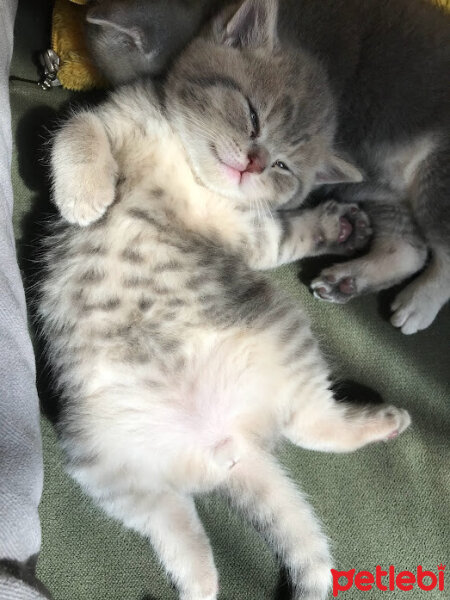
(388, 64)
(129, 38)
(180, 365)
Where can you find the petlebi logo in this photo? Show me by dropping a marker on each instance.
(388, 580)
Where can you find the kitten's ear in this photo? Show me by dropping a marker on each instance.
(338, 170)
(253, 25)
(109, 18)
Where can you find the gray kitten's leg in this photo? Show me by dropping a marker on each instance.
(287, 236)
(418, 304)
(84, 170)
(416, 307)
(396, 252)
(171, 523)
(260, 488)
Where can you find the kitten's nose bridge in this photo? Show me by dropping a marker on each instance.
(257, 160)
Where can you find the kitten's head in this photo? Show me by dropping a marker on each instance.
(256, 119)
(130, 38)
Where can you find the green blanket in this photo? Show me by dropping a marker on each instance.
(385, 505)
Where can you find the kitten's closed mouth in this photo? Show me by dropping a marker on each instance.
(234, 172)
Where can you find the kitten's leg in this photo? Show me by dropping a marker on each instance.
(83, 168)
(259, 487)
(312, 417)
(171, 523)
(322, 423)
(329, 228)
(397, 251)
(416, 307)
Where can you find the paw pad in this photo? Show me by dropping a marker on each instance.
(345, 230)
(330, 287)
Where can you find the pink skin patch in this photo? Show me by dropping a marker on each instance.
(345, 230)
(347, 285)
(232, 174)
(235, 175)
(231, 168)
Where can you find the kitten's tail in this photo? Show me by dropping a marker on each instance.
(259, 487)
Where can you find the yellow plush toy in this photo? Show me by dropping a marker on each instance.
(76, 71)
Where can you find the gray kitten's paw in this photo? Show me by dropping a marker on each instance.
(414, 309)
(343, 228)
(335, 285)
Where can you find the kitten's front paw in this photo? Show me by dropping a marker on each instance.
(84, 170)
(335, 285)
(83, 205)
(343, 228)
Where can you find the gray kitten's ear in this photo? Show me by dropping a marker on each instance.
(338, 170)
(253, 25)
(111, 19)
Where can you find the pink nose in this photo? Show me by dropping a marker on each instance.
(256, 163)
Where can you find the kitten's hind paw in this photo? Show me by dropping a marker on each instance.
(206, 589)
(414, 309)
(332, 287)
(393, 422)
(343, 228)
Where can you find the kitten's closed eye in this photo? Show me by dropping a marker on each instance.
(254, 120)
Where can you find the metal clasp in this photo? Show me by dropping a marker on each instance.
(50, 62)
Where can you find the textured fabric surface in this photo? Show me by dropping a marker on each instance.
(387, 504)
(20, 445)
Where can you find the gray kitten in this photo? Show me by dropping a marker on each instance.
(129, 38)
(388, 64)
(179, 364)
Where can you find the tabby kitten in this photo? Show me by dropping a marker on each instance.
(388, 64)
(179, 365)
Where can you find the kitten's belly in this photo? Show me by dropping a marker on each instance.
(153, 376)
(219, 398)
